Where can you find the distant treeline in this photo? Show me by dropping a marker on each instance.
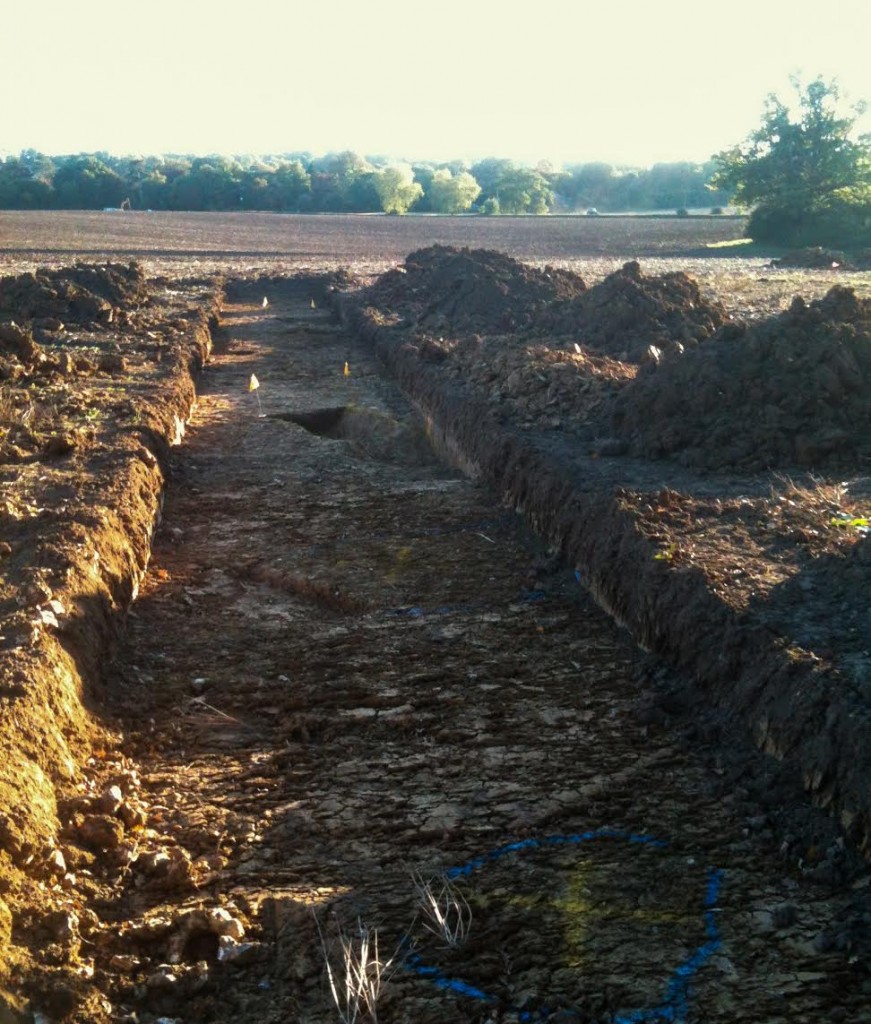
(344, 183)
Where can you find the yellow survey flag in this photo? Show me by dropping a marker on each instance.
(253, 384)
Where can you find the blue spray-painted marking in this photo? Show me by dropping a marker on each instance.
(677, 994)
(559, 840)
(673, 1008)
(441, 980)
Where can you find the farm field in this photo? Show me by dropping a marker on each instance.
(349, 668)
(290, 240)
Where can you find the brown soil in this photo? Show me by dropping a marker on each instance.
(527, 471)
(818, 257)
(347, 665)
(794, 390)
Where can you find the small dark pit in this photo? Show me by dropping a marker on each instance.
(323, 422)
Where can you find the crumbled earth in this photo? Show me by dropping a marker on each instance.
(462, 290)
(86, 416)
(644, 362)
(83, 294)
(631, 311)
(794, 390)
(796, 557)
(817, 257)
(349, 670)
(539, 341)
(777, 393)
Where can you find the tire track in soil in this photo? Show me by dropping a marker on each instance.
(348, 663)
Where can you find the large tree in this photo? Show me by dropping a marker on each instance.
(805, 171)
(397, 189)
(452, 193)
(86, 182)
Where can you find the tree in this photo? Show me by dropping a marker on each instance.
(85, 182)
(452, 193)
(590, 184)
(488, 173)
(212, 183)
(332, 180)
(522, 190)
(20, 188)
(290, 183)
(397, 189)
(804, 170)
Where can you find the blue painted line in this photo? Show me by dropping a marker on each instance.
(678, 990)
(559, 840)
(441, 980)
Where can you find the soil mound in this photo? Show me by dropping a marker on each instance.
(815, 257)
(85, 293)
(124, 286)
(630, 311)
(462, 291)
(543, 387)
(792, 390)
(304, 285)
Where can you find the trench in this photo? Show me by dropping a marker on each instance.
(351, 671)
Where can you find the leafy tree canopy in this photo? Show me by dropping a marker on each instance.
(341, 182)
(804, 165)
(397, 189)
(452, 193)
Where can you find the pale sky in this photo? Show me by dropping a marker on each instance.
(626, 81)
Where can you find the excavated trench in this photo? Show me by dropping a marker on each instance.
(350, 670)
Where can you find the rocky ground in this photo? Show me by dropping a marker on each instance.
(352, 677)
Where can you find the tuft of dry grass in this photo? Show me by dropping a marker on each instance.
(445, 909)
(356, 972)
(822, 514)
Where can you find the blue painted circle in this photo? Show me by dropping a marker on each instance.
(674, 1006)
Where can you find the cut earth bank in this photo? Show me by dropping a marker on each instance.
(629, 422)
(529, 381)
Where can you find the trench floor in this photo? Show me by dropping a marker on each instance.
(350, 671)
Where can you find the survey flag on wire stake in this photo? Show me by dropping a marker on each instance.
(254, 385)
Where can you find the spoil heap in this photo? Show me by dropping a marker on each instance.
(792, 390)
(461, 291)
(631, 311)
(81, 294)
(539, 342)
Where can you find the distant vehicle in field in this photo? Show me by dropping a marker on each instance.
(592, 212)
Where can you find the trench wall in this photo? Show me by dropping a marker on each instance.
(796, 712)
(50, 714)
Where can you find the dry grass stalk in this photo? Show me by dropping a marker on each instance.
(446, 911)
(356, 972)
